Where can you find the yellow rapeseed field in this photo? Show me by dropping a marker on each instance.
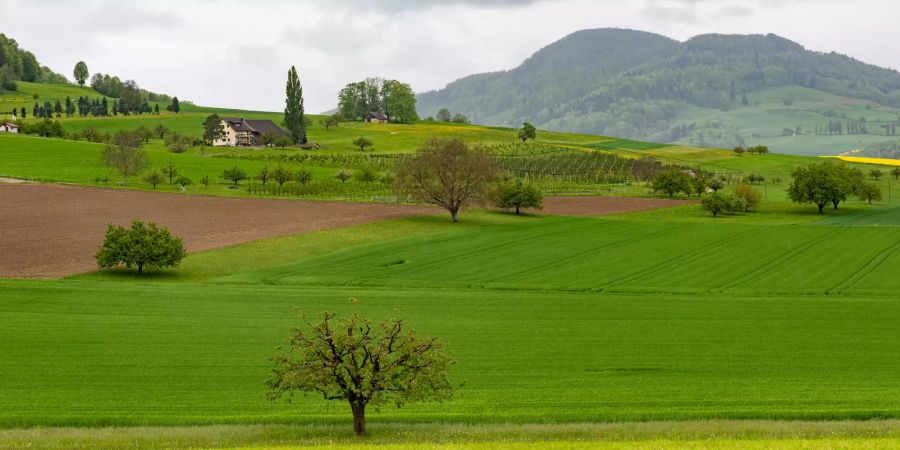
(864, 160)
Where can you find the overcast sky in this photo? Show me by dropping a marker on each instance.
(237, 53)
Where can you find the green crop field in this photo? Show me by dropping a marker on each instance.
(551, 319)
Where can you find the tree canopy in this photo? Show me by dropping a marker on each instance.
(392, 98)
(81, 72)
(363, 363)
(142, 246)
(448, 173)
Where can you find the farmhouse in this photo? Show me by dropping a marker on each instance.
(376, 117)
(9, 127)
(244, 132)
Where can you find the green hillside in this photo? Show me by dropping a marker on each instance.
(712, 90)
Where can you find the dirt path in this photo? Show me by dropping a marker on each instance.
(49, 230)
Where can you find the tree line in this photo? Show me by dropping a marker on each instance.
(17, 64)
(393, 98)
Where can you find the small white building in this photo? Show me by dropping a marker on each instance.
(9, 127)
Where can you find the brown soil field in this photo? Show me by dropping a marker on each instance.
(49, 230)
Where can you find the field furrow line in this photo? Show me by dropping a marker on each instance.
(564, 261)
(669, 263)
(866, 269)
(782, 259)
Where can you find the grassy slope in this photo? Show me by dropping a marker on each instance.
(767, 116)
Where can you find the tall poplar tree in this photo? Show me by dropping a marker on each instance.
(294, 120)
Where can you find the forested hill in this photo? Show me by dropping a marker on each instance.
(20, 64)
(712, 90)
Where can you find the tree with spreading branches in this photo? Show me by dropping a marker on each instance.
(363, 363)
(448, 173)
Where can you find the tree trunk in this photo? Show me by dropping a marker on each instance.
(517, 210)
(453, 213)
(821, 208)
(140, 268)
(359, 418)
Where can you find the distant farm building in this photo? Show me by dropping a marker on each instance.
(244, 132)
(376, 117)
(9, 127)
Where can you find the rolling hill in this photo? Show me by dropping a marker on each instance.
(711, 90)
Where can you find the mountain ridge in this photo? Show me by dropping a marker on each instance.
(641, 85)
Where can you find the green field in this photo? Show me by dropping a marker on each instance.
(714, 434)
(551, 320)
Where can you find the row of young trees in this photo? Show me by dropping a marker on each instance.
(393, 98)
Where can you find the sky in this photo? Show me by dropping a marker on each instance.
(237, 53)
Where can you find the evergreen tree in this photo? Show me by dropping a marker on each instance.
(294, 119)
(36, 111)
(104, 107)
(175, 106)
(156, 109)
(24, 112)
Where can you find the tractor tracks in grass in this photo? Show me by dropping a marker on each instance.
(781, 259)
(668, 264)
(870, 267)
(574, 256)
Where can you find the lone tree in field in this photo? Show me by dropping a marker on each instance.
(213, 129)
(362, 363)
(751, 197)
(154, 178)
(869, 192)
(362, 143)
(895, 171)
(876, 174)
(294, 119)
(519, 194)
(528, 131)
(234, 175)
(448, 173)
(124, 152)
(81, 73)
(672, 181)
(142, 246)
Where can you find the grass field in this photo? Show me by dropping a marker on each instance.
(551, 320)
(662, 435)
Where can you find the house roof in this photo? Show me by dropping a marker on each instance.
(376, 115)
(10, 125)
(253, 126)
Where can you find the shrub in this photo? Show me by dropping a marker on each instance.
(749, 195)
(367, 174)
(718, 203)
(518, 194)
(234, 175)
(343, 175)
(184, 181)
(141, 246)
(154, 178)
(303, 176)
(672, 181)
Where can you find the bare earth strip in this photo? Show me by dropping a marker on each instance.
(49, 230)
